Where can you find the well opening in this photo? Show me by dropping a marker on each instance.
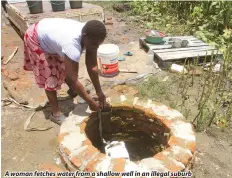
(143, 136)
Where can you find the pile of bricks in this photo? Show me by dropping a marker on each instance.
(79, 138)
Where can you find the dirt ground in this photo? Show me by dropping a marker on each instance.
(26, 151)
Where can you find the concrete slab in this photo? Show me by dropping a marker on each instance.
(19, 14)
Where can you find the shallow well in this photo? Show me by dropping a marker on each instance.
(156, 137)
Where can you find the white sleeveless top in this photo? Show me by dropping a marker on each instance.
(61, 36)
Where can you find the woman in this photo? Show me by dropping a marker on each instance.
(52, 51)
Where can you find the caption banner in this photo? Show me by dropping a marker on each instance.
(98, 174)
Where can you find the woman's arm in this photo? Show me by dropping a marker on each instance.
(91, 64)
(71, 70)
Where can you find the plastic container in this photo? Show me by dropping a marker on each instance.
(75, 4)
(35, 7)
(117, 149)
(108, 59)
(58, 5)
(150, 57)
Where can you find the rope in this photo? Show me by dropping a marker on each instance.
(33, 4)
(57, 4)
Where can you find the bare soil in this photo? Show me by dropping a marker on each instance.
(25, 151)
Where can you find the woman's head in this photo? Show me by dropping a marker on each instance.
(93, 34)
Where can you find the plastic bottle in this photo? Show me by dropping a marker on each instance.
(150, 57)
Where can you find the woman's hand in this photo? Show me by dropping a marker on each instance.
(101, 98)
(94, 106)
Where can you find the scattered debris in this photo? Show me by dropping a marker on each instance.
(217, 68)
(125, 39)
(27, 123)
(165, 78)
(14, 94)
(11, 100)
(12, 55)
(13, 76)
(155, 65)
(109, 21)
(121, 58)
(20, 71)
(57, 160)
(80, 100)
(195, 72)
(128, 53)
(14, 158)
(130, 81)
(178, 69)
(127, 71)
(3, 68)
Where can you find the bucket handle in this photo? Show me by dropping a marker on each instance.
(57, 4)
(34, 4)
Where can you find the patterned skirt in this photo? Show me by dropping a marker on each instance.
(48, 69)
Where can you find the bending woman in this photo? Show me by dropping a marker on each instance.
(52, 50)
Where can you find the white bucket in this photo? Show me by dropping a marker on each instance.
(108, 59)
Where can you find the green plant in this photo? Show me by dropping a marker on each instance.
(154, 89)
(208, 20)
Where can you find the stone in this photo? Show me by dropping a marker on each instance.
(118, 164)
(76, 161)
(164, 111)
(90, 167)
(149, 113)
(61, 137)
(3, 68)
(87, 142)
(90, 153)
(128, 99)
(73, 142)
(67, 151)
(103, 164)
(20, 71)
(125, 39)
(109, 22)
(188, 144)
(182, 130)
(115, 100)
(170, 162)
(5, 73)
(151, 164)
(178, 153)
(82, 127)
(13, 76)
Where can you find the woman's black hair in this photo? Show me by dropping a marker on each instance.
(95, 29)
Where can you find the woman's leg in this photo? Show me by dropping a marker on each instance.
(70, 91)
(48, 71)
(52, 98)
